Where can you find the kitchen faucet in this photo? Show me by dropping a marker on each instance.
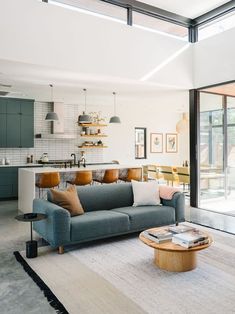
(82, 160)
(74, 158)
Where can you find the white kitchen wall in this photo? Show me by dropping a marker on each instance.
(159, 114)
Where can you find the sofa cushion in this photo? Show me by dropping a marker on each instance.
(67, 199)
(143, 217)
(105, 197)
(97, 224)
(145, 193)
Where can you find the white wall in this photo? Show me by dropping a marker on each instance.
(158, 114)
(214, 60)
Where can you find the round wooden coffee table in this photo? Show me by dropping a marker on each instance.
(173, 257)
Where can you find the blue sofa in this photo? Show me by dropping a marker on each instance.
(108, 212)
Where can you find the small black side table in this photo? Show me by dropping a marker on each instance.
(32, 245)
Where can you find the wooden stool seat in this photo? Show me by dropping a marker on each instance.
(132, 174)
(110, 176)
(48, 180)
(82, 178)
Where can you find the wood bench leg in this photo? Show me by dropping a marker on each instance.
(60, 250)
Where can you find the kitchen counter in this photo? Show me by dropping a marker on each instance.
(22, 165)
(28, 177)
(75, 168)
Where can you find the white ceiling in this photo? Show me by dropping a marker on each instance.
(32, 81)
(187, 8)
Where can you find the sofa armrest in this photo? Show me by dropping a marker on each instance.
(178, 202)
(55, 229)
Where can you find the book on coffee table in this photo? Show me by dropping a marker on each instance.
(181, 228)
(190, 245)
(190, 238)
(152, 237)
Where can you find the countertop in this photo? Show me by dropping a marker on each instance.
(73, 169)
(21, 165)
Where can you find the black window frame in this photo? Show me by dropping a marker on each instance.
(145, 142)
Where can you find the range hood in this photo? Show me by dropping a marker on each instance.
(57, 127)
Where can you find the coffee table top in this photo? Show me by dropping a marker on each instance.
(169, 246)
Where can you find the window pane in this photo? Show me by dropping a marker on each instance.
(217, 146)
(96, 6)
(217, 26)
(204, 138)
(231, 110)
(217, 117)
(154, 24)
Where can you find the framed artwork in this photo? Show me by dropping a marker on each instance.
(156, 142)
(140, 143)
(171, 142)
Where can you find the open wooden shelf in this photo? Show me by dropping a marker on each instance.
(93, 146)
(94, 135)
(92, 125)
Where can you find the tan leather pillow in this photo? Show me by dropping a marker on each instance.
(68, 199)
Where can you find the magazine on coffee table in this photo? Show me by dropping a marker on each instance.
(181, 229)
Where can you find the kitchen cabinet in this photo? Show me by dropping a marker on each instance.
(9, 181)
(27, 131)
(3, 105)
(3, 130)
(17, 122)
(13, 138)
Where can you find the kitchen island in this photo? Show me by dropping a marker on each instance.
(28, 177)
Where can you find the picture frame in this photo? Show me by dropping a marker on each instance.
(156, 142)
(171, 142)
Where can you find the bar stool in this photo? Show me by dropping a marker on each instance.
(110, 176)
(81, 178)
(48, 180)
(132, 174)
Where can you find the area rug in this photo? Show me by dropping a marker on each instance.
(118, 276)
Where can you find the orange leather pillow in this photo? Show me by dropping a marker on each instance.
(68, 199)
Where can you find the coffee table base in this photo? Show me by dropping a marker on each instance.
(175, 261)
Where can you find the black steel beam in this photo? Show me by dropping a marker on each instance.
(215, 13)
(150, 10)
(194, 146)
(129, 16)
(193, 34)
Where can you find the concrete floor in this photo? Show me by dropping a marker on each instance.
(18, 293)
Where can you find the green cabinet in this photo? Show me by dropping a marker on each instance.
(3, 130)
(27, 131)
(3, 105)
(13, 130)
(9, 182)
(17, 122)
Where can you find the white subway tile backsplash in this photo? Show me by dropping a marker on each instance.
(56, 148)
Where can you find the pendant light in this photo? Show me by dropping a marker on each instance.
(84, 118)
(183, 124)
(51, 116)
(114, 118)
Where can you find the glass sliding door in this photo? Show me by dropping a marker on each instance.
(212, 181)
(217, 153)
(230, 171)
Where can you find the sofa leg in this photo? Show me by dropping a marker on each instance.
(60, 250)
